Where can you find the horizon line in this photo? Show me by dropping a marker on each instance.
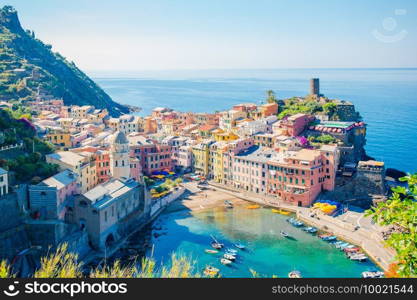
(253, 69)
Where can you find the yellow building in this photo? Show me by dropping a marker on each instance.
(216, 161)
(82, 164)
(201, 153)
(222, 136)
(59, 138)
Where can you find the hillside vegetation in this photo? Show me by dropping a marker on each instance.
(26, 163)
(29, 67)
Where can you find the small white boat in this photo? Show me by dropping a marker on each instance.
(216, 245)
(232, 251)
(210, 251)
(294, 274)
(342, 245)
(240, 246)
(358, 257)
(229, 256)
(284, 234)
(228, 204)
(373, 274)
(225, 261)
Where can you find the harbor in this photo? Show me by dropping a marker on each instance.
(245, 242)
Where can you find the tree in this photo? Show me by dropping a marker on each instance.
(399, 212)
(271, 96)
(330, 108)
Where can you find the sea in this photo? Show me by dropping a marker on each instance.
(267, 253)
(385, 98)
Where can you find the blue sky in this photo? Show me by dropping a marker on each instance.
(218, 34)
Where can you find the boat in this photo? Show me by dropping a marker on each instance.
(229, 256)
(225, 261)
(329, 238)
(216, 245)
(324, 235)
(342, 245)
(254, 206)
(231, 251)
(297, 223)
(228, 204)
(294, 274)
(358, 257)
(279, 211)
(351, 250)
(240, 246)
(310, 229)
(211, 271)
(373, 274)
(284, 234)
(210, 251)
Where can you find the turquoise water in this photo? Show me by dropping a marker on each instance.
(268, 253)
(386, 98)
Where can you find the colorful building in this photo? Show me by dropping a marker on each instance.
(4, 182)
(50, 198)
(201, 154)
(153, 156)
(59, 138)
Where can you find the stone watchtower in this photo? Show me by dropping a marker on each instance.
(315, 87)
(119, 156)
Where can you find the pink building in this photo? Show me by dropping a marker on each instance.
(77, 138)
(295, 177)
(153, 157)
(103, 166)
(49, 199)
(245, 107)
(135, 169)
(233, 148)
(296, 124)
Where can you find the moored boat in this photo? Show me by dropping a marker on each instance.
(228, 204)
(329, 238)
(324, 235)
(210, 251)
(211, 271)
(284, 234)
(310, 229)
(358, 257)
(229, 256)
(254, 206)
(342, 245)
(372, 274)
(240, 246)
(231, 251)
(281, 212)
(351, 250)
(225, 261)
(294, 274)
(216, 245)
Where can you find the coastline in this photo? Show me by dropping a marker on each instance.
(215, 195)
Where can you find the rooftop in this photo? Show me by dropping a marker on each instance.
(104, 194)
(67, 157)
(2, 171)
(60, 180)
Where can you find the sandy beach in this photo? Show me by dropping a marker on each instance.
(206, 199)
